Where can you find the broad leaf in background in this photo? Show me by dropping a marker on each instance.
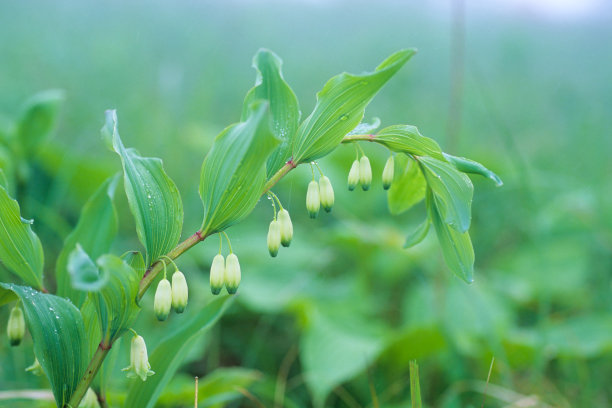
(115, 303)
(60, 343)
(234, 171)
(407, 139)
(38, 120)
(169, 354)
(284, 109)
(408, 188)
(153, 197)
(456, 246)
(95, 232)
(20, 249)
(332, 353)
(452, 192)
(340, 108)
(470, 166)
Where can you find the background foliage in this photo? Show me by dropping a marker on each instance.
(345, 307)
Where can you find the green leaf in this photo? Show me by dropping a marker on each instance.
(38, 119)
(153, 197)
(408, 188)
(365, 128)
(136, 261)
(456, 246)
(452, 192)
(340, 108)
(284, 109)
(418, 234)
(116, 303)
(470, 166)
(60, 342)
(234, 171)
(407, 139)
(20, 249)
(95, 232)
(84, 273)
(167, 357)
(333, 352)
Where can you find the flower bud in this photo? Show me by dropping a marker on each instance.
(286, 227)
(274, 238)
(232, 273)
(163, 300)
(365, 173)
(16, 326)
(387, 175)
(90, 400)
(353, 176)
(139, 360)
(217, 274)
(327, 193)
(180, 292)
(313, 202)
(35, 368)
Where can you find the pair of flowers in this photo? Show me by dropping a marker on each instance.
(169, 296)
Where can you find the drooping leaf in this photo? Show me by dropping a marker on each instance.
(284, 109)
(60, 343)
(418, 234)
(116, 303)
(408, 187)
(470, 166)
(84, 273)
(38, 119)
(340, 108)
(452, 192)
(20, 249)
(234, 171)
(153, 197)
(456, 246)
(407, 139)
(332, 353)
(169, 354)
(95, 232)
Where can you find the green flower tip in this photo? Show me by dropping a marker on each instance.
(180, 292)
(16, 326)
(217, 274)
(232, 273)
(313, 200)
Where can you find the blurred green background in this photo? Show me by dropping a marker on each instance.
(343, 310)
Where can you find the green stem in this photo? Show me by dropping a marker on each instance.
(90, 373)
(228, 241)
(353, 138)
